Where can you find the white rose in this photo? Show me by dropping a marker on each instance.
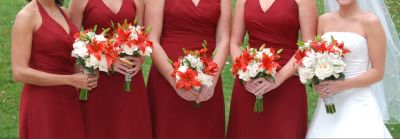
(91, 35)
(324, 70)
(100, 38)
(205, 79)
(309, 60)
(195, 62)
(92, 62)
(129, 50)
(253, 69)
(79, 49)
(306, 74)
(182, 69)
(244, 75)
(103, 64)
(134, 35)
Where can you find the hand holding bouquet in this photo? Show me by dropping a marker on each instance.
(253, 64)
(194, 70)
(131, 40)
(320, 60)
(93, 52)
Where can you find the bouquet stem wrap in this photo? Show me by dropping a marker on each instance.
(83, 93)
(329, 105)
(258, 106)
(127, 85)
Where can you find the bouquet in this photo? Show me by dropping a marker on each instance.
(93, 52)
(320, 61)
(253, 63)
(131, 40)
(194, 70)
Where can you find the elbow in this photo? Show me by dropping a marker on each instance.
(17, 76)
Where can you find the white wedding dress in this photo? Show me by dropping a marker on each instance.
(357, 110)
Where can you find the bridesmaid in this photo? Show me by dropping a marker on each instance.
(181, 24)
(49, 105)
(110, 112)
(277, 24)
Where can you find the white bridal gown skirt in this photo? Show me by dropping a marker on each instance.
(357, 116)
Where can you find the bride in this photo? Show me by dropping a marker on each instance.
(359, 99)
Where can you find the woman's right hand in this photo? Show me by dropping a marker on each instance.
(186, 95)
(82, 81)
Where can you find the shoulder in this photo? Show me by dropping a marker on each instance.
(27, 13)
(304, 2)
(369, 19)
(327, 16)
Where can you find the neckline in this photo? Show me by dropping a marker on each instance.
(109, 9)
(53, 20)
(268, 9)
(353, 33)
(196, 6)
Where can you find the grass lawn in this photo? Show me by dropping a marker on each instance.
(10, 91)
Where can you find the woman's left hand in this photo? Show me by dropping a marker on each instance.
(330, 88)
(136, 64)
(206, 93)
(269, 85)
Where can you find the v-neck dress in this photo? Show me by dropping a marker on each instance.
(49, 112)
(285, 108)
(186, 25)
(110, 112)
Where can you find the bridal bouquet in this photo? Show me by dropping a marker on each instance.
(320, 61)
(93, 52)
(194, 70)
(254, 64)
(131, 40)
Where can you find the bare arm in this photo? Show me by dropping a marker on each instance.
(223, 35)
(75, 10)
(238, 30)
(376, 40)
(154, 13)
(139, 11)
(21, 40)
(308, 29)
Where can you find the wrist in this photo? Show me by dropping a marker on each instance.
(67, 80)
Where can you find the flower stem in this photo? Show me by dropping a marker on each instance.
(258, 106)
(329, 105)
(127, 85)
(196, 105)
(83, 94)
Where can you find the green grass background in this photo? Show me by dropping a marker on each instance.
(10, 91)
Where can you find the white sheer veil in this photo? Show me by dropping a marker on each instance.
(387, 91)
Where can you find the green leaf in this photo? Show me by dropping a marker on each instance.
(148, 29)
(135, 21)
(170, 61)
(113, 25)
(279, 51)
(204, 44)
(214, 53)
(94, 28)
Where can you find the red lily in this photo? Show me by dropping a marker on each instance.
(210, 66)
(96, 48)
(242, 61)
(142, 42)
(176, 66)
(269, 63)
(188, 80)
(123, 37)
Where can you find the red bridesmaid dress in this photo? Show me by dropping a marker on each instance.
(49, 112)
(110, 112)
(186, 25)
(285, 108)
